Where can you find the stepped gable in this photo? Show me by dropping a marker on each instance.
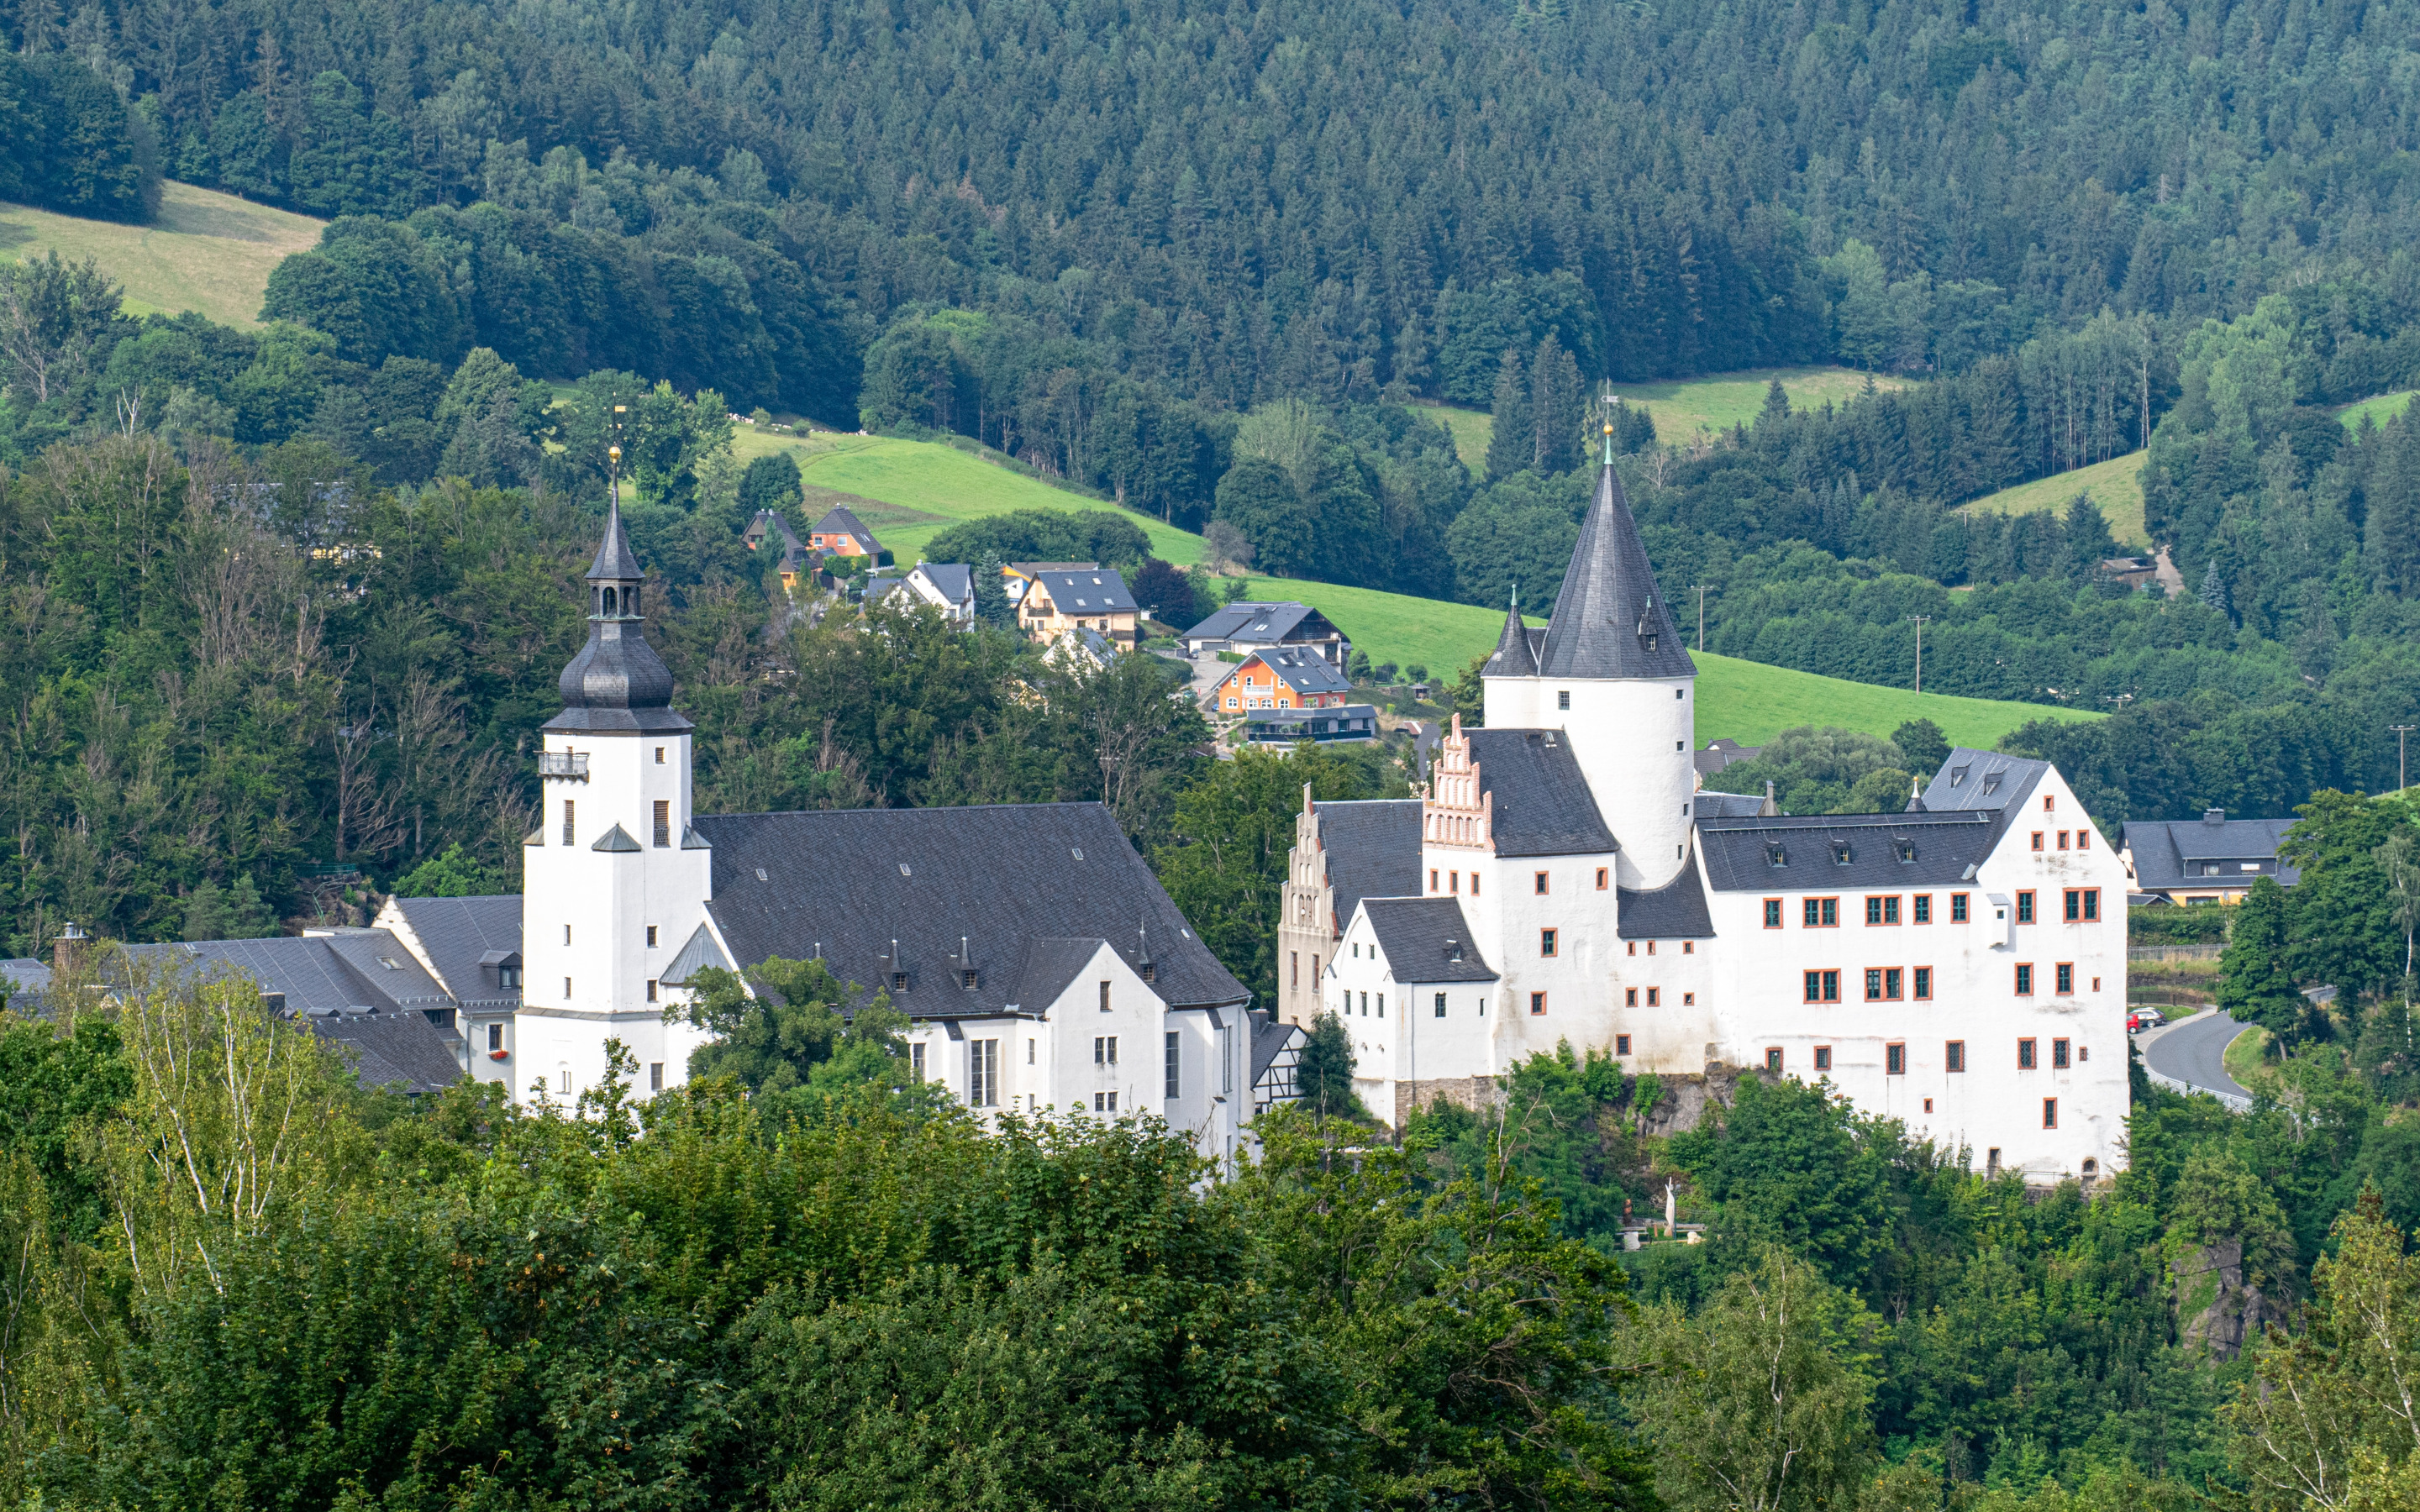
(1515, 657)
(616, 684)
(1610, 619)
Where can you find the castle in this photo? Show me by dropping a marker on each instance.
(1560, 879)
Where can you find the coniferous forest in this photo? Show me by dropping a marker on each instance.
(283, 605)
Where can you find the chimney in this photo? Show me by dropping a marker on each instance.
(2213, 816)
(68, 950)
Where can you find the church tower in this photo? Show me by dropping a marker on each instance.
(615, 880)
(1611, 670)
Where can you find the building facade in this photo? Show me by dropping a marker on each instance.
(1039, 964)
(1090, 598)
(1959, 965)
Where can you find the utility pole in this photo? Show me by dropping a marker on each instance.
(1920, 650)
(1701, 616)
(2400, 731)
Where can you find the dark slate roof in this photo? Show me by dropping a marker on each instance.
(767, 522)
(459, 937)
(1542, 804)
(1090, 591)
(1609, 611)
(1304, 670)
(616, 839)
(1372, 850)
(27, 980)
(1514, 655)
(2169, 853)
(956, 581)
(1986, 781)
(1426, 939)
(615, 562)
(1051, 964)
(359, 988)
(1713, 805)
(1718, 754)
(1675, 911)
(1738, 852)
(616, 684)
(699, 953)
(1270, 1040)
(838, 520)
(1252, 620)
(1001, 877)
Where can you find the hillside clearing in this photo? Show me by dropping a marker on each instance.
(2116, 486)
(1684, 407)
(209, 253)
(2381, 410)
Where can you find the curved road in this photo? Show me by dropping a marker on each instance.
(2191, 1052)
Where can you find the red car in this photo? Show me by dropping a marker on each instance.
(2144, 1018)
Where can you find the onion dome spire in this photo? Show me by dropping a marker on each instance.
(616, 684)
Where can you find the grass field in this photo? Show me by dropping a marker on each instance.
(2381, 410)
(1746, 701)
(1684, 407)
(209, 252)
(909, 491)
(2116, 486)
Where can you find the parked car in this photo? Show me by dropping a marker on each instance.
(2144, 1018)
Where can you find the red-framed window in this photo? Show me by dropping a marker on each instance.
(2026, 1055)
(2050, 1113)
(2083, 905)
(1537, 1005)
(1773, 913)
(2038, 840)
(1823, 1057)
(1545, 942)
(1881, 909)
(1883, 983)
(1654, 997)
(1956, 908)
(1621, 1044)
(1630, 998)
(2058, 1055)
(2063, 978)
(2025, 907)
(2025, 979)
(1923, 984)
(1604, 878)
(1821, 913)
(1894, 1058)
(1920, 907)
(1773, 1059)
(1953, 1055)
(1823, 986)
(1539, 883)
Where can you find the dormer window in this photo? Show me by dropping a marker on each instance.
(899, 982)
(1905, 846)
(1957, 776)
(968, 978)
(1991, 784)
(1775, 854)
(1841, 854)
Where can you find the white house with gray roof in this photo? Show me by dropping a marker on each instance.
(1959, 965)
(1040, 964)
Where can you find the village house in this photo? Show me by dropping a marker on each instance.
(840, 534)
(1084, 598)
(1954, 965)
(1244, 626)
(797, 562)
(949, 587)
(2212, 860)
(1291, 694)
(1017, 577)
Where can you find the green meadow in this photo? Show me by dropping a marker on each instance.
(2116, 486)
(209, 253)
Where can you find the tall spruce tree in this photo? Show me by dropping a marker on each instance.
(1512, 444)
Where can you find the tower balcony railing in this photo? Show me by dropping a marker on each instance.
(562, 763)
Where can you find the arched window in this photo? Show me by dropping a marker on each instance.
(605, 603)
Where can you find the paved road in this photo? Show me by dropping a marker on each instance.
(2193, 1052)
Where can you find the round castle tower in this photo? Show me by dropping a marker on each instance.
(1610, 671)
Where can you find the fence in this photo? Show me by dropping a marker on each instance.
(2174, 952)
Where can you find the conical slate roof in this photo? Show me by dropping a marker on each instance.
(1610, 619)
(615, 562)
(1513, 657)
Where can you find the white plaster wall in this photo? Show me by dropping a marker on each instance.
(1577, 978)
(1758, 995)
(1632, 741)
(607, 900)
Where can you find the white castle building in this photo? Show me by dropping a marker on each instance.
(1959, 965)
(1039, 962)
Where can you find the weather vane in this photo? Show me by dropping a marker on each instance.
(613, 454)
